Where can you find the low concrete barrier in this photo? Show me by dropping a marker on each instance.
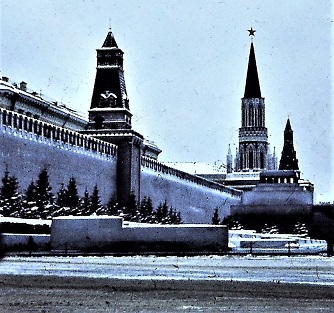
(105, 233)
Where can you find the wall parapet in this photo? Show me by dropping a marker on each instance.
(31, 128)
(164, 169)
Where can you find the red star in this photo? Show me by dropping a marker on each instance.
(251, 31)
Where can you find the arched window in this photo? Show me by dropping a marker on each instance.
(260, 117)
(251, 159)
(250, 150)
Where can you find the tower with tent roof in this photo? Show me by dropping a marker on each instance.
(253, 154)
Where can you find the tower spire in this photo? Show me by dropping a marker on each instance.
(252, 87)
(288, 159)
(110, 41)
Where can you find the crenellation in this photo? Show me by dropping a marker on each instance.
(164, 169)
(29, 128)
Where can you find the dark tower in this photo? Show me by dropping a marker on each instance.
(253, 135)
(110, 118)
(110, 104)
(288, 159)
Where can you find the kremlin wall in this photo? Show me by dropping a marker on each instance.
(105, 151)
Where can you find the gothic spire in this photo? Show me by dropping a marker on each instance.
(288, 159)
(252, 88)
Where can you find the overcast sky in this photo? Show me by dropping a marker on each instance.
(185, 68)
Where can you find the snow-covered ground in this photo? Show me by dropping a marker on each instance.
(301, 269)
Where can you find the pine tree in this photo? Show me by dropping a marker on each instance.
(158, 214)
(146, 211)
(85, 205)
(131, 209)
(29, 202)
(10, 199)
(31, 193)
(61, 196)
(6, 190)
(171, 216)
(15, 202)
(164, 212)
(72, 196)
(215, 217)
(60, 204)
(178, 218)
(95, 201)
(45, 197)
(113, 206)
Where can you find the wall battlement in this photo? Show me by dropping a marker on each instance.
(33, 129)
(159, 167)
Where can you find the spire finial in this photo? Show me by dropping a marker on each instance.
(251, 33)
(109, 24)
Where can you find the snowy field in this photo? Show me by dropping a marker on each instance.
(298, 269)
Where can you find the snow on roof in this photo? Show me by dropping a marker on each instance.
(145, 225)
(91, 217)
(24, 221)
(198, 167)
(243, 176)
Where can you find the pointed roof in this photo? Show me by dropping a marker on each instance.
(252, 88)
(288, 125)
(110, 41)
(289, 159)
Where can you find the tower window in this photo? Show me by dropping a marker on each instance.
(251, 159)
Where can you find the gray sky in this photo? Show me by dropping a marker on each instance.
(185, 67)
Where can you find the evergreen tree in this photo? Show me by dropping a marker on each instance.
(146, 211)
(95, 201)
(15, 202)
(171, 216)
(85, 205)
(158, 214)
(60, 206)
(164, 212)
(131, 209)
(61, 196)
(31, 193)
(6, 191)
(45, 197)
(113, 206)
(215, 217)
(178, 218)
(10, 199)
(29, 203)
(72, 197)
